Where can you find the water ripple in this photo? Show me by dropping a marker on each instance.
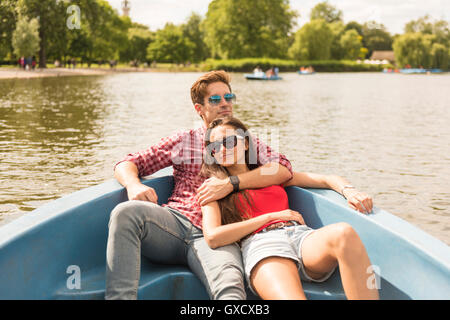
(388, 135)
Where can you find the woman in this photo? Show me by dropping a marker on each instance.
(278, 249)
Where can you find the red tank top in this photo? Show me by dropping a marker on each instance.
(266, 200)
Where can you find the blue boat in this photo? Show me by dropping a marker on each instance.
(58, 250)
(419, 71)
(305, 73)
(251, 76)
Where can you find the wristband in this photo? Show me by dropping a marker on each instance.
(235, 183)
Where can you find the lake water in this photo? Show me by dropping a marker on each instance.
(388, 134)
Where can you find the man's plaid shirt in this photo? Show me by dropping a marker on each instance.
(184, 151)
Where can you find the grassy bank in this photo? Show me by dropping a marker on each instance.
(247, 65)
(235, 65)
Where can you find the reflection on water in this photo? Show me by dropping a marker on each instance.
(49, 130)
(388, 134)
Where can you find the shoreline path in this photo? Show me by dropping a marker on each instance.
(16, 73)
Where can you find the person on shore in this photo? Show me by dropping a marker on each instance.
(278, 248)
(27, 63)
(172, 233)
(112, 64)
(22, 62)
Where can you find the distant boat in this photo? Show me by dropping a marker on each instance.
(44, 252)
(304, 72)
(419, 71)
(252, 76)
(390, 70)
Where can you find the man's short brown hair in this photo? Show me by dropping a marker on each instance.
(198, 89)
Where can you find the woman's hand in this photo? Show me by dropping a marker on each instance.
(358, 200)
(287, 215)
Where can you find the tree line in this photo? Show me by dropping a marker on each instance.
(231, 29)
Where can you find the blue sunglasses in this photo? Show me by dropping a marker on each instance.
(229, 97)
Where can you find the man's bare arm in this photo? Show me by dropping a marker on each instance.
(128, 175)
(269, 174)
(357, 200)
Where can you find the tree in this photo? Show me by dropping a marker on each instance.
(422, 25)
(51, 21)
(7, 26)
(194, 32)
(107, 30)
(355, 26)
(442, 32)
(252, 28)
(327, 12)
(312, 42)
(440, 55)
(139, 38)
(439, 28)
(58, 36)
(337, 51)
(351, 44)
(347, 41)
(425, 43)
(376, 37)
(81, 45)
(25, 39)
(103, 32)
(170, 45)
(414, 49)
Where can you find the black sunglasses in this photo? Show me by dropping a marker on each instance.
(229, 142)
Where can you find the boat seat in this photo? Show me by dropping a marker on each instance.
(331, 289)
(173, 282)
(159, 282)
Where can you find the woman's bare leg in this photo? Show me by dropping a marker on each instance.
(277, 278)
(339, 244)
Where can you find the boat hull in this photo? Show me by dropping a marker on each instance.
(39, 251)
(420, 71)
(262, 78)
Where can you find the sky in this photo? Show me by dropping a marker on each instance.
(394, 14)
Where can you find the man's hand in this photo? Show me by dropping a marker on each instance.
(358, 200)
(139, 191)
(213, 189)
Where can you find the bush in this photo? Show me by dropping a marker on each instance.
(248, 64)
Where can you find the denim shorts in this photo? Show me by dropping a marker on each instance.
(284, 242)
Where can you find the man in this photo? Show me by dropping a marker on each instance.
(172, 233)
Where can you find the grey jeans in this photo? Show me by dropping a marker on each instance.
(166, 236)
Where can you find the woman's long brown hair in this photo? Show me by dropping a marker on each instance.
(233, 207)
